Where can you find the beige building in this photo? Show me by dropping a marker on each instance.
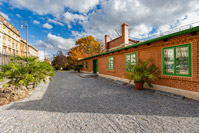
(10, 38)
(32, 51)
(22, 47)
(11, 44)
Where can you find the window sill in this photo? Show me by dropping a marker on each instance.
(178, 75)
(112, 71)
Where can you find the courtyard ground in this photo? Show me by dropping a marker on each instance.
(71, 103)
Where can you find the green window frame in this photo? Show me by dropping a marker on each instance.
(111, 63)
(82, 64)
(177, 60)
(86, 64)
(130, 59)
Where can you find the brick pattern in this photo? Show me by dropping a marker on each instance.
(154, 50)
(116, 42)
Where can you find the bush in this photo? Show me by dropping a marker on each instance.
(27, 70)
(1, 76)
(66, 68)
(57, 67)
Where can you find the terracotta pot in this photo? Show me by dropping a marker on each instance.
(139, 86)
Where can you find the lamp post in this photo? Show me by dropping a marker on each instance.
(26, 23)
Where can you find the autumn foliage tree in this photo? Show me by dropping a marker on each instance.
(86, 46)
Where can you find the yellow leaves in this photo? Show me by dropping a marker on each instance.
(86, 46)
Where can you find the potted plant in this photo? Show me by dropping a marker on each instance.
(143, 72)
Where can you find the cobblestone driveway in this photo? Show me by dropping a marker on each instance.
(73, 104)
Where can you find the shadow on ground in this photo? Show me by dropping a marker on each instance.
(69, 93)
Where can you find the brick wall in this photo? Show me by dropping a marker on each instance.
(154, 50)
(116, 42)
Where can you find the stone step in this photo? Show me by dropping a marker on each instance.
(88, 75)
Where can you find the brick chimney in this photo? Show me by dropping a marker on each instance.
(125, 36)
(107, 39)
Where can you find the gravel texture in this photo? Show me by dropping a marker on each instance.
(74, 104)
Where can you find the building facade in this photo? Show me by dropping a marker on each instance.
(22, 47)
(176, 55)
(11, 44)
(32, 51)
(9, 40)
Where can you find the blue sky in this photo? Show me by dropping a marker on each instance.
(36, 31)
(57, 24)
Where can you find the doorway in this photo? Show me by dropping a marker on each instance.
(95, 66)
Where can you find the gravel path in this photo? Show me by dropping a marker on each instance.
(73, 104)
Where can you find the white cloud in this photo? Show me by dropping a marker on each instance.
(141, 30)
(141, 15)
(36, 22)
(68, 17)
(2, 1)
(43, 7)
(56, 43)
(78, 35)
(55, 22)
(47, 26)
(18, 15)
(5, 16)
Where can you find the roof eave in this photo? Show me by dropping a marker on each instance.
(148, 41)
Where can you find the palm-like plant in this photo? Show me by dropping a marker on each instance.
(25, 70)
(143, 71)
(1, 76)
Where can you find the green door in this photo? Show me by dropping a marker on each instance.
(94, 66)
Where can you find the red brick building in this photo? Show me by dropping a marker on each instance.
(176, 55)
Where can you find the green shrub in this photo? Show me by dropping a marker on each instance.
(27, 70)
(57, 67)
(1, 76)
(66, 68)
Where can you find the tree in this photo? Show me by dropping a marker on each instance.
(87, 46)
(60, 60)
(74, 52)
(118, 31)
(84, 47)
(71, 62)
